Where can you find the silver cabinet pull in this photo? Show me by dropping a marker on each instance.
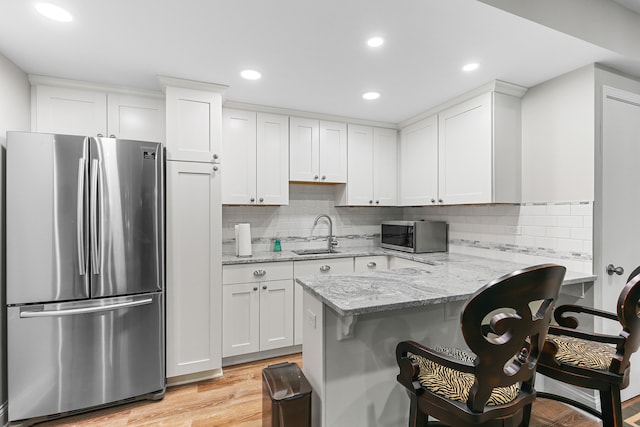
(264, 287)
(253, 199)
(316, 177)
(433, 200)
(255, 288)
(261, 199)
(377, 202)
(325, 267)
(215, 168)
(371, 264)
(324, 176)
(99, 135)
(112, 136)
(215, 157)
(440, 200)
(370, 202)
(259, 273)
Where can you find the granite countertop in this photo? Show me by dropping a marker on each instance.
(445, 277)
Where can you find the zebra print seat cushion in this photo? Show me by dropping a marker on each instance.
(582, 353)
(455, 385)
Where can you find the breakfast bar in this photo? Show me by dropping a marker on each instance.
(353, 322)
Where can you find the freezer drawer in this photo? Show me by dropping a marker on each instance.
(75, 355)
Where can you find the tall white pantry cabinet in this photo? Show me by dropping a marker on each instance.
(194, 217)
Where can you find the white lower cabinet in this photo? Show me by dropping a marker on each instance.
(257, 307)
(193, 273)
(314, 268)
(395, 262)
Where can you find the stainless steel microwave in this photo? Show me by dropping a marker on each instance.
(414, 236)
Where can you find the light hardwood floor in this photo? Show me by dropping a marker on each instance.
(236, 400)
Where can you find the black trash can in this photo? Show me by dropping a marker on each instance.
(286, 396)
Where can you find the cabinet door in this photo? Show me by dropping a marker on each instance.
(241, 319)
(272, 167)
(385, 168)
(333, 152)
(298, 301)
(193, 268)
(193, 125)
(239, 154)
(360, 170)
(276, 314)
(136, 117)
(304, 149)
(69, 111)
(418, 164)
(465, 152)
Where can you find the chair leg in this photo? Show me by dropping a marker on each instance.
(526, 415)
(611, 407)
(416, 417)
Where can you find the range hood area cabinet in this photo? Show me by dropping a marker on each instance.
(72, 107)
(317, 151)
(255, 147)
(468, 153)
(372, 168)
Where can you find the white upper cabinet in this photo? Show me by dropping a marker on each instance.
(318, 151)
(99, 112)
(193, 125)
(479, 146)
(372, 167)
(467, 153)
(135, 117)
(418, 163)
(69, 111)
(255, 148)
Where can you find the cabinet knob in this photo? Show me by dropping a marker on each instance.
(324, 177)
(99, 135)
(215, 168)
(264, 287)
(377, 202)
(440, 200)
(261, 199)
(370, 202)
(316, 177)
(112, 136)
(371, 264)
(433, 200)
(255, 288)
(215, 157)
(325, 268)
(259, 273)
(253, 199)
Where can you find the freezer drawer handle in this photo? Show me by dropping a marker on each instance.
(86, 310)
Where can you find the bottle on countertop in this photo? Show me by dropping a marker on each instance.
(277, 247)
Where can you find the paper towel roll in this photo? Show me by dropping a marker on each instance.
(243, 240)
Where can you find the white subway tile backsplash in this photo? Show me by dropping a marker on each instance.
(528, 232)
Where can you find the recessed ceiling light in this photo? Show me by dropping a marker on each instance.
(250, 74)
(375, 41)
(471, 67)
(54, 12)
(369, 96)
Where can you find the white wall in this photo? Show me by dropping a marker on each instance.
(558, 139)
(14, 115)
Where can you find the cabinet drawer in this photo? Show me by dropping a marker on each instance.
(323, 266)
(258, 272)
(370, 263)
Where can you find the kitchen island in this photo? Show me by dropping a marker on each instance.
(353, 322)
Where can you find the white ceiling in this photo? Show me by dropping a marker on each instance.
(312, 54)
(633, 5)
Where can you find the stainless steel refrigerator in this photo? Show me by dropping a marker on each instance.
(85, 272)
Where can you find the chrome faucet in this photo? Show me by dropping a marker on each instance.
(331, 240)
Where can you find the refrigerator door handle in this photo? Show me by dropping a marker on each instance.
(82, 268)
(95, 247)
(85, 310)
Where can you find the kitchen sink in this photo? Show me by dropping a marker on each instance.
(315, 251)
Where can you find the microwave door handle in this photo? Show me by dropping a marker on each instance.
(82, 267)
(95, 246)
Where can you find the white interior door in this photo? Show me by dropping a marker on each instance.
(620, 205)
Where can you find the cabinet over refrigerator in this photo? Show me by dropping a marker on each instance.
(85, 273)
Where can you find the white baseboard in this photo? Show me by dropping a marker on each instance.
(587, 397)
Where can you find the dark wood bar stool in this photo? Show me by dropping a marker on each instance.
(595, 361)
(505, 325)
